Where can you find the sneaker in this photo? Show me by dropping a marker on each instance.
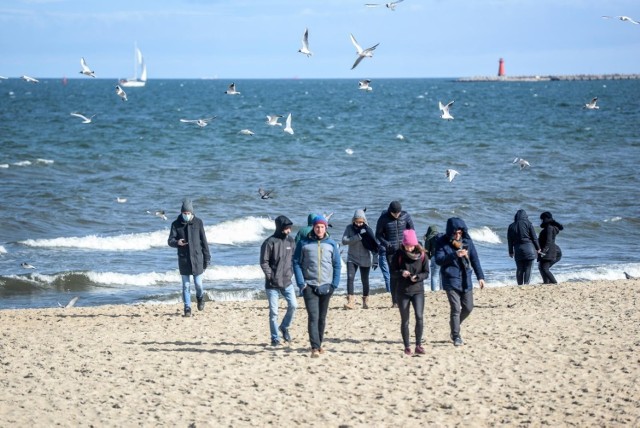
(275, 342)
(187, 312)
(320, 350)
(285, 334)
(420, 350)
(315, 353)
(458, 341)
(407, 352)
(201, 304)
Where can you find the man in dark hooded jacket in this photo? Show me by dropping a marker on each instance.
(188, 236)
(276, 261)
(523, 246)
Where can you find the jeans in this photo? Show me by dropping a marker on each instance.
(544, 266)
(289, 295)
(404, 304)
(352, 268)
(523, 271)
(461, 304)
(384, 268)
(436, 281)
(317, 308)
(393, 281)
(186, 289)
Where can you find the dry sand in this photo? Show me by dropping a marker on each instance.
(566, 355)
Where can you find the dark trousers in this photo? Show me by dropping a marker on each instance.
(405, 301)
(461, 304)
(545, 271)
(393, 281)
(352, 268)
(523, 271)
(317, 308)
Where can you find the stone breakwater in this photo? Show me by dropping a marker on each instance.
(548, 78)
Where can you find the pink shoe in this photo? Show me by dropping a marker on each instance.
(420, 350)
(407, 352)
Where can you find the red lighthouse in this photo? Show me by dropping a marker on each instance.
(501, 68)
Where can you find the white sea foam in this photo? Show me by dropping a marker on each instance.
(3, 250)
(612, 219)
(484, 234)
(44, 161)
(232, 232)
(4, 165)
(22, 163)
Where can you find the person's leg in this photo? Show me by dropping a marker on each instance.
(186, 291)
(197, 281)
(520, 272)
(435, 274)
(384, 268)
(547, 277)
(364, 277)
(289, 294)
(404, 305)
(418, 309)
(351, 275)
(322, 316)
(392, 281)
(466, 303)
(552, 278)
(272, 297)
(527, 271)
(454, 314)
(312, 304)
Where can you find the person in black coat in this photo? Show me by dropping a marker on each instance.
(550, 253)
(188, 236)
(522, 242)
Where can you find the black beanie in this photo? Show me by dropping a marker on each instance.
(546, 216)
(395, 207)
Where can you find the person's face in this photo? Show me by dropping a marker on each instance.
(286, 230)
(395, 215)
(320, 229)
(358, 223)
(457, 235)
(409, 248)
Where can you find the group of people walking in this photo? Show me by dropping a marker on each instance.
(313, 260)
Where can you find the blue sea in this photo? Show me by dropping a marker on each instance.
(61, 179)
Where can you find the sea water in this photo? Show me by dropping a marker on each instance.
(351, 149)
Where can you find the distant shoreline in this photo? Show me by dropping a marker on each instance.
(549, 78)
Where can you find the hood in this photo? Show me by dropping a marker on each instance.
(310, 218)
(281, 223)
(521, 215)
(359, 214)
(431, 232)
(455, 223)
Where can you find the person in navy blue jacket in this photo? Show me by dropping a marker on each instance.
(458, 260)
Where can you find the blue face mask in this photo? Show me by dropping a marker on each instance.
(187, 217)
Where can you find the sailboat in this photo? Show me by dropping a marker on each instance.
(138, 64)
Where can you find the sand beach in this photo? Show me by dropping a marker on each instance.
(564, 355)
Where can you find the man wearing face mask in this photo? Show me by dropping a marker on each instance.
(188, 236)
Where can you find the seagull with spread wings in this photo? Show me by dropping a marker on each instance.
(362, 53)
(305, 44)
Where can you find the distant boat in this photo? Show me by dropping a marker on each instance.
(138, 64)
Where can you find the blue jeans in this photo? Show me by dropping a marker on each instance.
(384, 268)
(186, 289)
(317, 308)
(289, 295)
(436, 281)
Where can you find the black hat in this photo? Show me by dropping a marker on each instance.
(187, 206)
(395, 207)
(546, 216)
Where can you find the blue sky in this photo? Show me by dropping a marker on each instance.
(236, 39)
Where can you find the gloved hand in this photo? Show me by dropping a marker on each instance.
(363, 231)
(375, 266)
(204, 266)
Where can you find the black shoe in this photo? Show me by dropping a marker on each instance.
(285, 334)
(275, 342)
(458, 341)
(201, 304)
(187, 312)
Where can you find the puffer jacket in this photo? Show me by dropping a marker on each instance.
(194, 258)
(456, 273)
(521, 238)
(417, 263)
(316, 261)
(276, 256)
(389, 230)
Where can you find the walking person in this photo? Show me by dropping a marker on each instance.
(276, 261)
(550, 253)
(458, 259)
(523, 246)
(188, 236)
(316, 266)
(389, 229)
(430, 239)
(362, 254)
(410, 267)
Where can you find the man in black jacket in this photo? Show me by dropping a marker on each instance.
(389, 230)
(276, 256)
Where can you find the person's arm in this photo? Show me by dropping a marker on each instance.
(297, 266)
(173, 237)
(337, 265)
(548, 235)
(510, 241)
(348, 238)
(380, 233)
(205, 246)
(424, 270)
(475, 261)
(410, 222)
(265, 257)
(534, 237)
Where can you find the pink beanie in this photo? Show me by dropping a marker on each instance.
(409, 237)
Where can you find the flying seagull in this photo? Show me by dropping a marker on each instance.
(200, 122)
(445, 110)
(591, 105)
(26, 265)
(246, 132)
(451, 174)
(264, 194)
(85, 69)
(305, 44)
(362, 53)
(71, 303)
(622, 18)
(232, 90)
(522, 163)
(390, 6)
(84, 118)
(273, 120)
(287, 128)
(121, 93)
(159, 213)
(364, 85)
(29, 79)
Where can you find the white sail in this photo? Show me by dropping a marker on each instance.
(138, 63)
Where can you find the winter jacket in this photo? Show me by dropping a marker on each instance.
(430, 239)
(316, 261)
(456, 272)
(417, 263)
(193, 258)
(522, 240)
(360, 240)
(547, 239)
(389, 230)
(276, 256)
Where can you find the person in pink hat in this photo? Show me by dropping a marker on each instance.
(410, 267)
